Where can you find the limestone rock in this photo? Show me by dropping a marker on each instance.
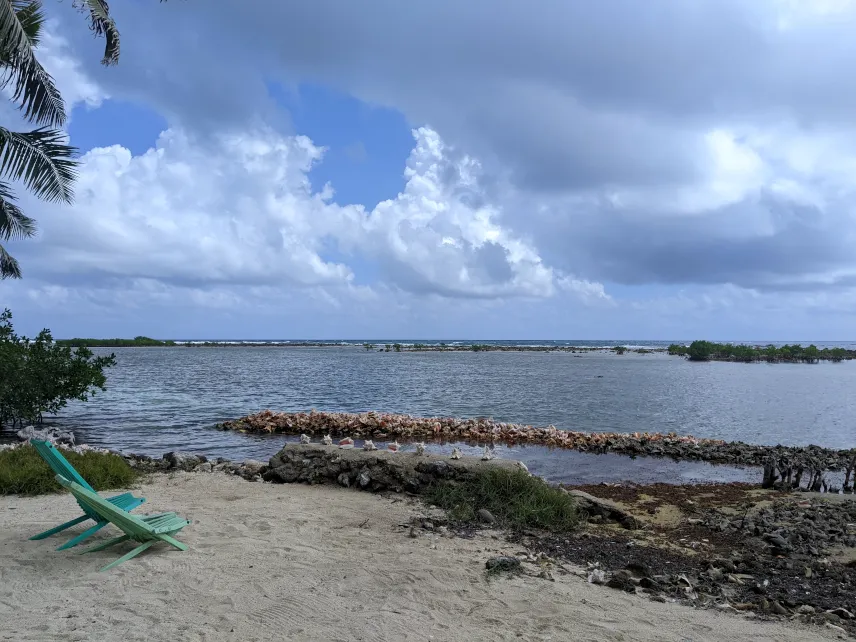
(53, 435)
(183, 461)
(369, 470)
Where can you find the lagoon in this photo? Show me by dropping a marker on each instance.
(162, 399)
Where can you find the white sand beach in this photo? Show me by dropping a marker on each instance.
(294, 562)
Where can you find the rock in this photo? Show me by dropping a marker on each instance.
(715, 574)
(364, 479)
(53, 435)
(597, 576)
(414, 533)
(503, 563)
(778, 609)
(777, 540)
(844, 614)
(204, 467)
(806, 609)
(839, 630)
(344, 480)
(622, 580)
(253, 466)
(649, 583)
(183, 461)
(486, 516)
(606, 509)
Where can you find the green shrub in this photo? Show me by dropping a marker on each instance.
(24, 472)
(39, 377)
(700, 350)
(513, 497)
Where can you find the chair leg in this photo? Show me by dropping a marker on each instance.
(174, 542)
(107, 544)
(61, 527)
(128, 556)
(84, 535)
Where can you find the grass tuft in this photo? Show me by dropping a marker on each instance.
(24, 472)
(515, 498)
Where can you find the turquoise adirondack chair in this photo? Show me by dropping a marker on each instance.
(147, 530)
(60, 466)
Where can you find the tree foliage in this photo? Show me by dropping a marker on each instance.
(39, 377)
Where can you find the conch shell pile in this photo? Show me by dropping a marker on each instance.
(407, 428)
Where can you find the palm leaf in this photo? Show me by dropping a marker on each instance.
(102, 24)
(40, 100)
(9, 267)
(40, 159)
(13, 222)
(31, 17)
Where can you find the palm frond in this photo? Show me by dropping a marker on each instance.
(31, 17)
(102, 24)
(9, 267)
(39, 99)
(40, 159)
(13, 222)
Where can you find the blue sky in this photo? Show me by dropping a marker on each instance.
(334, 171)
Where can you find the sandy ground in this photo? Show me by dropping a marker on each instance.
(296, 562)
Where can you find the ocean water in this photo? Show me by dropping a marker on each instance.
(162, 399)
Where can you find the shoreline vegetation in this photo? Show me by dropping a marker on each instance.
(791, 467)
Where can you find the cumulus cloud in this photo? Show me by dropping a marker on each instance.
(240, 210)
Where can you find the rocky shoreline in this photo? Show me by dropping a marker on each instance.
(733, 547)
(783, 466)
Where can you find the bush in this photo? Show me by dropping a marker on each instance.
(513, 497)
(24, 472)
(700, 350)
(38, 377)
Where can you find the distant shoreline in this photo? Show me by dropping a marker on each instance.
(145, 342)
(695, 351)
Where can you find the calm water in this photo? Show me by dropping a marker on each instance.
(162, 399)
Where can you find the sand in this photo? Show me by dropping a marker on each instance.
(294, 562)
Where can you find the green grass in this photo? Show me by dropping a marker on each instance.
(513, 497)
(24, 472)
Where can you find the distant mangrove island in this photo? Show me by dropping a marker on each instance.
(708, 351)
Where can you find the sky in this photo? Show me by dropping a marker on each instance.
(537, 169)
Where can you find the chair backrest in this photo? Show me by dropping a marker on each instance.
(131, 524)
(58, 463)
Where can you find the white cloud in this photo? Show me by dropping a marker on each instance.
(239, 209)
(75, 85)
